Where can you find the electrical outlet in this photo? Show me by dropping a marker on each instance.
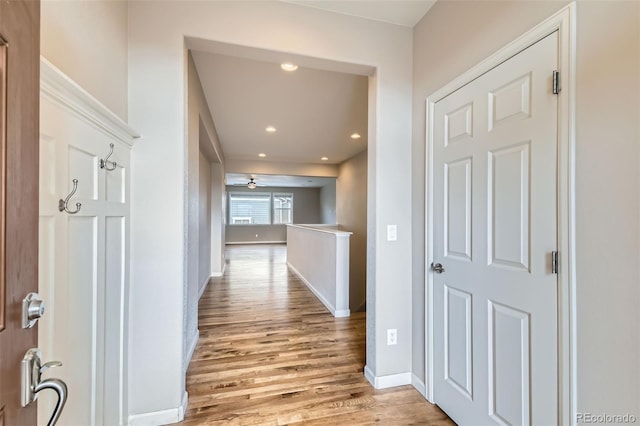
(392, 336)
(256, 235)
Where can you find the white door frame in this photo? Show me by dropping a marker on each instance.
(564, 22)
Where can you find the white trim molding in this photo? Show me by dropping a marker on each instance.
(192, 348)
(218, 274)
(204, 286)
(57, 86)
(254, 242)
(564, 23)
(338, 313)
(390, 381)
(162, 417)
(419, 385)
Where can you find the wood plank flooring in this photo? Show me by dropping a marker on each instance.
(271, 354)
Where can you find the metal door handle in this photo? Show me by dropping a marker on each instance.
(32, 383)
(437, 268)
(61, 389)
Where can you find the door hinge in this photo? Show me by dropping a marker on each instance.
(554, 262)
(556, 82)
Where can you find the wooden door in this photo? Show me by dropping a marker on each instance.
(19, 97)
(495, 229)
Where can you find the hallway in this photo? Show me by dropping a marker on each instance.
(270, 353)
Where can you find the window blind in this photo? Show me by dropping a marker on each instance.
(250, 208)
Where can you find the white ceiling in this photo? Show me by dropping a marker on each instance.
(401, 12)
(314, 111)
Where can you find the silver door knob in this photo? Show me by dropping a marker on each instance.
(437, 268)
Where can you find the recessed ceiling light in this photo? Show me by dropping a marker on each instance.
(355, 136)
(324, 158)
(262, 154)
(270, 129)
(288, 66)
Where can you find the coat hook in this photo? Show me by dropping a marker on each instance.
(63, 205)
(104, 164)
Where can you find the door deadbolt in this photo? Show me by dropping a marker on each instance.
(32, 310)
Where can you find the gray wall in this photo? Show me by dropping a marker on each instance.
(351, 214)
(204, 221)
(607, 152)
(202, 139)
(328, 203)
(306, 209)
(218, 219)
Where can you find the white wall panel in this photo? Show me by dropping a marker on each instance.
(80, 319)
(115, 181)
(84, 256)
(83, 166)
(115, 288)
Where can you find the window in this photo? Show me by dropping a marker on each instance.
(260, 208)
(282, 208)
(249, 208)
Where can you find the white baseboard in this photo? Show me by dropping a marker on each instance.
(219, 273)
(162, 417)
(182, 409)
(419, 385)
(203, 287)
(192, 349)
(336, 313)
(390, 381)
(340, 313)
(255, 242)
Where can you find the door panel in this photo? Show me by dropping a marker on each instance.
(20, 28)
(495, 305)
(457, 234)
(458, 356)
(509, 365)
(510, 102)
(508, 204)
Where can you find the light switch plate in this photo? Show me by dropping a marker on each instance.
(392, 232)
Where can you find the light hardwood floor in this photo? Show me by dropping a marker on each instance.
(270, 353)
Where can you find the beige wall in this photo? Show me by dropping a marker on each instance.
(328, 203)
(306, 210)
(157, 93)
(87, 40)
(351, 214)
(454, 36)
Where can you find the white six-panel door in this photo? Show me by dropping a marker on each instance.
(495, 225)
